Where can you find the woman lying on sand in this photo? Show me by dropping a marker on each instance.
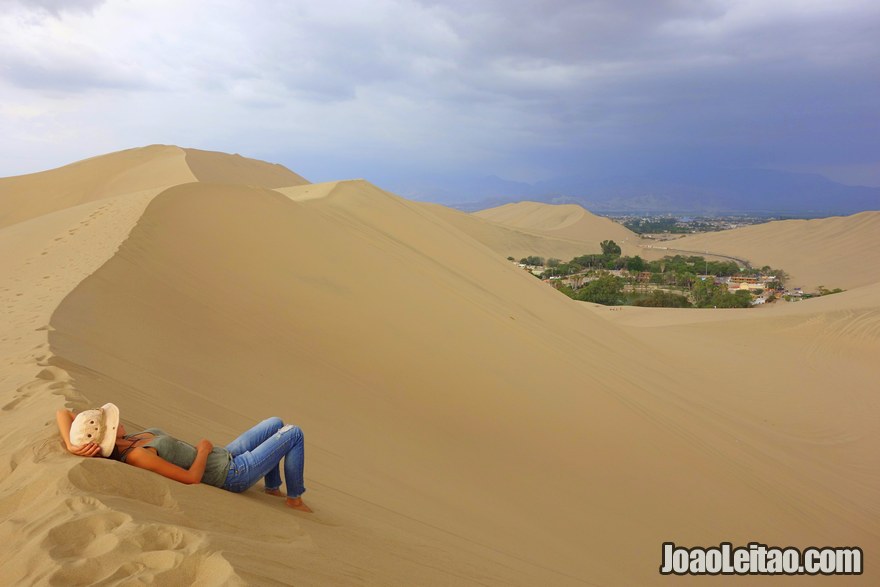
(256, 453)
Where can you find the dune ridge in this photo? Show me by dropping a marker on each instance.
(464, 422)
(131, 171)
(29, 196)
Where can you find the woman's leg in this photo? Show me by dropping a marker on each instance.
(288, 444)
(294, 463)
(254, 438)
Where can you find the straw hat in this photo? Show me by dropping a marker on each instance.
(97, 426)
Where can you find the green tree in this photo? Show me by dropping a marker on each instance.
(781, 276)
(566, 290)
(587, 260)
(740, 299)
(610, 248)
(663, 299)
(703, 292)
(605, 290)
(708, 295)
(824, 291)
(635, 264)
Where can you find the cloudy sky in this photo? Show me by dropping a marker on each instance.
(396, 90)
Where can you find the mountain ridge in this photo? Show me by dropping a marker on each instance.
(707, 191)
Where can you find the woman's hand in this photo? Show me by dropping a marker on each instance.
(204, 446)
(65, 418)
(86, 450)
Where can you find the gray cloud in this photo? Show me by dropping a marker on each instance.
(522, 88)
(65, 74)
(54, 7)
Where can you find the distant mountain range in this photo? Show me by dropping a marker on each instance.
(710, 191)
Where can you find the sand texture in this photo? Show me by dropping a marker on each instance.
(465, 423)
(561, 226)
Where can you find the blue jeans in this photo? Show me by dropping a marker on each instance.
(258, 452)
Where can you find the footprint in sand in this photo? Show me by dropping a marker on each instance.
(160, 537)
(52, 379)
(112, 548)
(86, 536)
(84, 503)
(14, 403)
(52, 373)
(23, 393)
(8, 464)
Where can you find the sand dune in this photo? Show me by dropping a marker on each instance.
(842, 251)
(134, 170)
(465, 423)
(130, 171)
(214, 167)
(568, 222)
(508, 241)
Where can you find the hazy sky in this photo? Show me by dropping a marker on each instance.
(392, 89)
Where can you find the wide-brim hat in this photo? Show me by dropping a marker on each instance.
(96, 426)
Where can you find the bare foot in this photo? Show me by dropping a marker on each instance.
(277, 492)
(298, 504)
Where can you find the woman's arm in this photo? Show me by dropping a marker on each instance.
(64, 419)
(146, 459)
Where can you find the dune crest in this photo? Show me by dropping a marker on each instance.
(131, 171)
(134, 170)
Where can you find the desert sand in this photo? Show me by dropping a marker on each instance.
(563, 231)
(465, 424)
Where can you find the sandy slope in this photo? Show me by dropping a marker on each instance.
(567, 222)
(465, 423)
(214, 167)
(841, 251)
(804, 372)
(508, 241)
